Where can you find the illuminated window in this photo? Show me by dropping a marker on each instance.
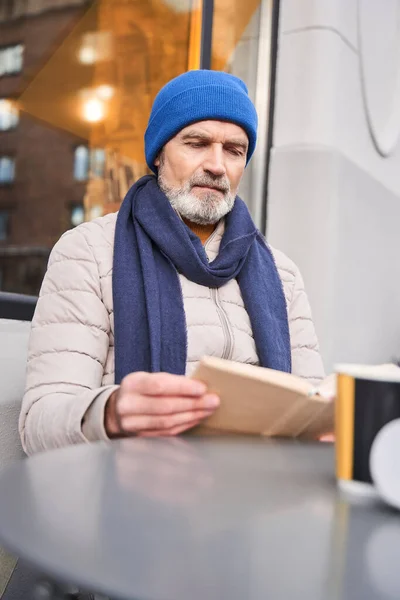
(11, 59)
(97, 160)
(7, 169)
(95, 212)
(88, 162)
(9, 115)
(81, 163)
(77, 215)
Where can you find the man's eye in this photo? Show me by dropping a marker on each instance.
(197, 144)
(236, 151)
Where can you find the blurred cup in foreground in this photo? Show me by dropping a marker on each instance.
(368, 398)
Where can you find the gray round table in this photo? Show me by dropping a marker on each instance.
(199, 519)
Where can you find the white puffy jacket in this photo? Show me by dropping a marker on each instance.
(70, 373)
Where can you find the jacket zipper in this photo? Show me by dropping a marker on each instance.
(226, 328)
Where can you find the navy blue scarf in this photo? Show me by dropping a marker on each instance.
(152, 244)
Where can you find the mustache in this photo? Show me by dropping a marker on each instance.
(221, 184)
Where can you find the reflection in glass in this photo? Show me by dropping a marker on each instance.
(93, 110)
(95, 212)
(4, 218)
(94, 70)
(96, 46)
(9, 115)
(7, 169)
(89, 163)
(241, 32)
(77, 215)
(81, 163)
(11, 59)
(97, 161)
(105, 92)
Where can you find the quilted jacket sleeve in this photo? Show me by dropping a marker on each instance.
(67, 350)
(306, 357)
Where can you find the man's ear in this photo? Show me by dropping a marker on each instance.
(158, 161)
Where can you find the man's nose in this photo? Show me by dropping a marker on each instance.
(214, 162)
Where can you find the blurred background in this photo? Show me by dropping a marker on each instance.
(77, 80)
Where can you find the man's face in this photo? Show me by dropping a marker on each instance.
(200, 169)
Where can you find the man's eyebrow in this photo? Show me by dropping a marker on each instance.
(196, 135)
(239, 142)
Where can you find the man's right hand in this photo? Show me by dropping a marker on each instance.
(157, 404)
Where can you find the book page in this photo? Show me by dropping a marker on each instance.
(321, 423)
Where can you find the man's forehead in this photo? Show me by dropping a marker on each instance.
(216, 129)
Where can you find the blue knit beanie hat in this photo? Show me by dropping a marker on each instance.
(199, 96)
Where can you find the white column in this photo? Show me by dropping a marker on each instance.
(334, 187)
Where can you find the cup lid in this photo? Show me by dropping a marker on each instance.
(386, 372)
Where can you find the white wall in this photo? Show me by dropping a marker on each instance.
(334, 186)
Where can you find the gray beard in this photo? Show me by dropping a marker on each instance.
(205, 211)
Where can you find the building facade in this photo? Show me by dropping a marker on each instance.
(37, 188)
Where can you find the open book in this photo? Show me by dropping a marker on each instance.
(265, 402)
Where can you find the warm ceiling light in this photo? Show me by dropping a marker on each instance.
(93, 110)
(87, 55)
(6, 107)
(105, 92)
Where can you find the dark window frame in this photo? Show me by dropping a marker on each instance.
(271, 115)
(207, 19)
(7, 226)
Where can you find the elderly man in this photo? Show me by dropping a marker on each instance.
(131, 301)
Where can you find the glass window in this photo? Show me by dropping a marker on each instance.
(81, 163)
(97, 162)
(89, 162)
(9, 115)
(77, 215)
(241, 45)
(4, 220)
(11, 59)
(95, 67)
(7, 169)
